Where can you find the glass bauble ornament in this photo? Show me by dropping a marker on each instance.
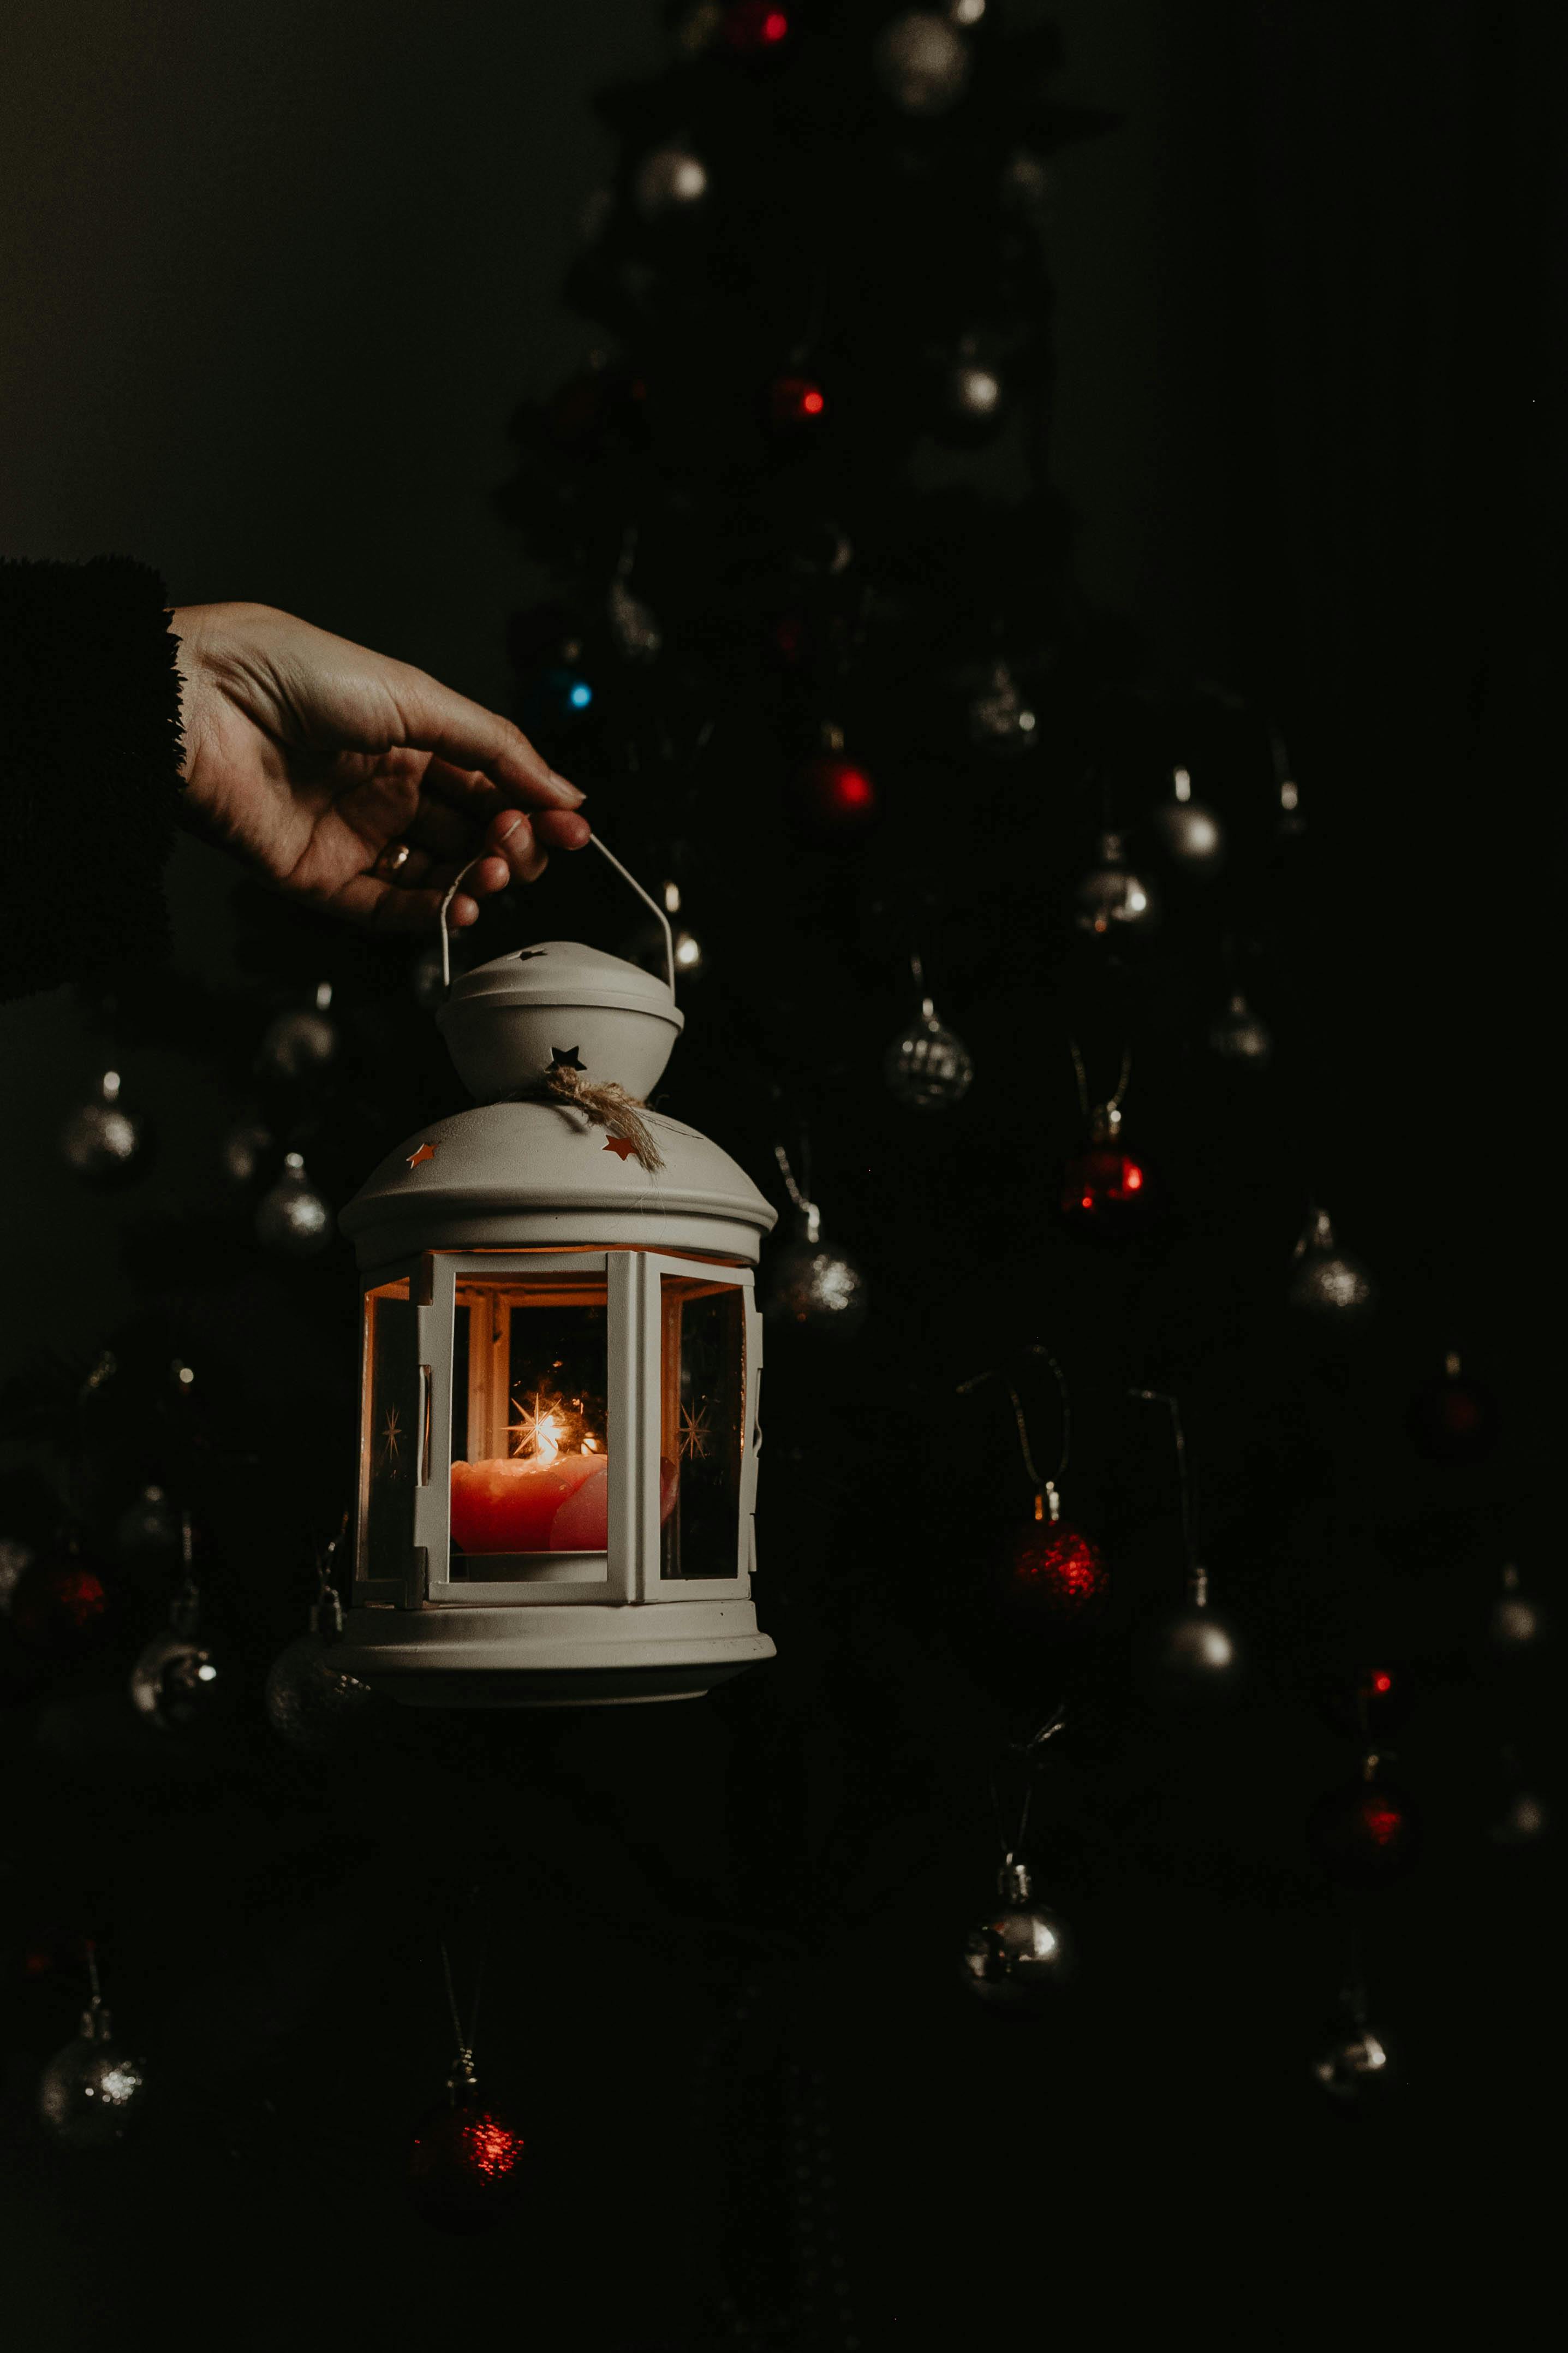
(1328, 1283)
(1106, 1190)
(1453, 1419)
(244, 1150)
(149, 1524)
(1354, 2063)
(1016, 1958)
(1189, 833)
(809, 1285)
(301, 1043)
(292, 1218)
(1111, 897)
(1516, 1621)
(89, 2092)
(464, 2168)
(104, 1144)
(921, 63)
(927, 1066)
(754, 29)
(832, 801)
(310, 1701)
(973, 404)
(668, 181)
(1057, 1578)
(1237, 1035)
(795, 403)
(1367, 1833)
(1000, 720)
(61, 1606)
(175, 1680)
(636, 633)
(1192, 1654)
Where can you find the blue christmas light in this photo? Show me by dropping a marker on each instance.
(580, 696)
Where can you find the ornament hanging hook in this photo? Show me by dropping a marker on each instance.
(1045, 1489)
(463, 2071)
(807, 1209)
(1163, 1396)
(1113, 1102)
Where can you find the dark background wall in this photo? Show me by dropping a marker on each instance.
(273, 279)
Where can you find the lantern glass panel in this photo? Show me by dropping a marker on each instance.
(392, 1441)
(530, 1433)
(701, 1426)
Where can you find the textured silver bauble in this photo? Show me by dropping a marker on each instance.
(151, 1524)
(175, 1680)
(1111, 898)
(1238, 1035)
(90, 2091)
(999, 719)
(291, 1217)
(1194, 1649)
(103, 1142)
(1189, 833)
(921, 63)
(301, 1042)
(1327, 1280)
(1352, 2063)
(1016, 1957)
(669, 180)
(812, 1286)
(927, 1066)
(310, 1702)
(242, 1150)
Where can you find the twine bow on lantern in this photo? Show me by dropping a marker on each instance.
(605, 1102)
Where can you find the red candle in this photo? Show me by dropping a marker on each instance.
(512, 1506)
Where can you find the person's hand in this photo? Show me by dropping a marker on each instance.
(355, 782)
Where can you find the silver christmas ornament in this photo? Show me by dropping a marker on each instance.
(811, 1285)
(999, 718)
(670, 180)
(1238, 1035)
(1193, 1651)
(292, 1218)
(299, 1043)
(921, 63)
(89, 2092)
(927, 1066)
(243, 1151)
(1354, 2062)
(1111, 898)
(973, 396)
(103, 1142)
(965, 12)
(1516, 1621)
(638, 636)
(1189, 833)
(310, 1701)
(1016, 1957)
(150, 1524)
(175, 1677)
(1327, 1280)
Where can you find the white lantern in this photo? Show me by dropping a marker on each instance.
(561, 1358)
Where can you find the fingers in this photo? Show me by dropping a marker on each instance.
(470, 738)
(383, 907)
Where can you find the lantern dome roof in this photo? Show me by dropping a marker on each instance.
(529, 1175)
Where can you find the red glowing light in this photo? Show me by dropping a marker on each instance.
(833, 801)
(1103, 1188)
(1385, 1823)
(1132, 1177)
(812, 403)
(1057, 1570)
(794, 401)
(490, 2147)
(754, 25)
(1383, 1682)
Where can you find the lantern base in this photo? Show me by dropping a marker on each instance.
(550, 1657)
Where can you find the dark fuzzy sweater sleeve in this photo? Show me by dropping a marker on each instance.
(89, 752)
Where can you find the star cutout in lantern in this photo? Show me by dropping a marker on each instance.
(523, 954)
(621, 1146)
(695, 1435)
(392, 1436)
(426, 1152)
(564, 1058)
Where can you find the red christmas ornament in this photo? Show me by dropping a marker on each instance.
(1366, 1834)
(794, 402)
(1453, 1419)
(755, 28)
(1056, 1575)
(61, 1606)
(833, 801)
(464, 2168)
(1107, 1189)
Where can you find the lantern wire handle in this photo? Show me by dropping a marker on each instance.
(465, 2067)
(1160, 1397)
(1045, 1489)
(649, 901)
(1113, 1102)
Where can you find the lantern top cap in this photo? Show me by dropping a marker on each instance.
(560, 973)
